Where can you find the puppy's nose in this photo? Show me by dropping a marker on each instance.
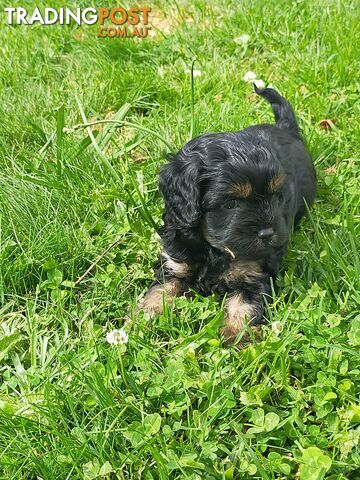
(266, 233)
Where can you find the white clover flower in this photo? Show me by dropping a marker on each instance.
(117, 337)
(249, 77)
(259, 83)
(196, 73)
(277, 327)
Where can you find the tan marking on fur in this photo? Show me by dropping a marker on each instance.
(276, 183)
(239, 269)
(153, 301)
(243, 189)
(238, 313)
(178, 269)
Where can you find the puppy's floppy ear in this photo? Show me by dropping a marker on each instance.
(179, 185)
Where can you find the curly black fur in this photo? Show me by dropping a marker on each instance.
(231, 202)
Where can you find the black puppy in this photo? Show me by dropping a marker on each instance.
(231, 201)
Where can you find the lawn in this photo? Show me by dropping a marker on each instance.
(79, 210)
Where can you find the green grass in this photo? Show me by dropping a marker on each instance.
(78, 214)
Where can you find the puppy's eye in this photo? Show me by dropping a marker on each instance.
(230, 204)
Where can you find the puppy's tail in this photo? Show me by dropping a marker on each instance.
(283, 111)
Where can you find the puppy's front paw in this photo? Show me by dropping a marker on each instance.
(238, 313)
(153, 302)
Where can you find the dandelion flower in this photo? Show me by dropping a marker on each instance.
(259, 83)
(277, 327)
(249, 77)
(196, 73)
(117, 337)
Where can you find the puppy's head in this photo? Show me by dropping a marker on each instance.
(229, 192)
